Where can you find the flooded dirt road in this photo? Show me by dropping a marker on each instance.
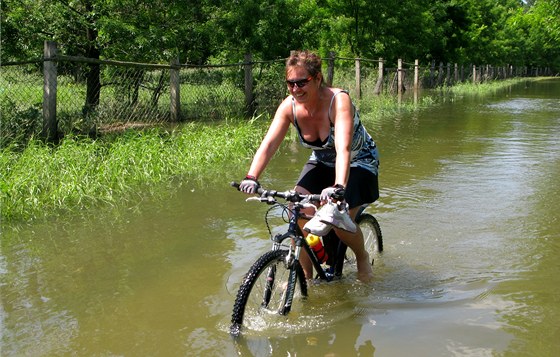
(469, 212)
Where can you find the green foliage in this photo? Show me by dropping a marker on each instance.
(481, 88)
(19, 124)
(543, 32)
(80, 173)
(464, 31)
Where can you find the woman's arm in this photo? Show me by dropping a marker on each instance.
(343, 117)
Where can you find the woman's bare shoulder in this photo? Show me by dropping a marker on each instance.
(284, 110)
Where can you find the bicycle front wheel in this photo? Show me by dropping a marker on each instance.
(268, 288)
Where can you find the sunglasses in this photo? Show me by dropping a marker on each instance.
(300, 83)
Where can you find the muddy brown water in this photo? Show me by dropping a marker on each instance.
(469, 213)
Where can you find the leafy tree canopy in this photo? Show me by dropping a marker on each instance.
(465, 31)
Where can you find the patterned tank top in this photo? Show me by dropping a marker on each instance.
(363, 150)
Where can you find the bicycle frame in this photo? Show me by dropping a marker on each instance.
(293, 233)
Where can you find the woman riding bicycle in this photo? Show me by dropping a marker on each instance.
(344, 158)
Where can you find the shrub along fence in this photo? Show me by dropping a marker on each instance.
(56, 95)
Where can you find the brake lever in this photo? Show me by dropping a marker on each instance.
(309, 205)
(269, 200)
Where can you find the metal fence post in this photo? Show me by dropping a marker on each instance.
(249, 100)
(358, 79)
(175, 91)
(50, 126)
(379, 85)
(330, 69)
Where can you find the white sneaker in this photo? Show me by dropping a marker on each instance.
(315, 226)
(336, 214)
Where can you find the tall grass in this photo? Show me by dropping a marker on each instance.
(468, 88)
(79, 173)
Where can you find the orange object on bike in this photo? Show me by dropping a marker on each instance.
(316, 243)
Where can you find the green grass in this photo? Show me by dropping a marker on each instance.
(468, 88)
(80, 173)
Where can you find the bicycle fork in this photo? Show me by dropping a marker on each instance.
(291, 257)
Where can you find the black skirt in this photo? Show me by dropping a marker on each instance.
(362, 186)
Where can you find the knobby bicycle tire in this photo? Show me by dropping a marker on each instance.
(268, 287)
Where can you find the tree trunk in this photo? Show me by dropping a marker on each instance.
(93, 82)
(93, 76)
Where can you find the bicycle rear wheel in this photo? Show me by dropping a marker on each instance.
(268, 288)
(373, 240)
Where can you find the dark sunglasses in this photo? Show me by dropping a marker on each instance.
(300, 83)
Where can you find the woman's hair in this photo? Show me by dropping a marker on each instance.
(306, 59)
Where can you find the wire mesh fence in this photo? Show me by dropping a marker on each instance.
(85, 96)
(127, 96)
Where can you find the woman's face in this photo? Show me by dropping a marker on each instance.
(300, 83)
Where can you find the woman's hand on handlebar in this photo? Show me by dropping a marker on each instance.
(335, 192)
(249, 185)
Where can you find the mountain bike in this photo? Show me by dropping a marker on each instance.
(272, 282)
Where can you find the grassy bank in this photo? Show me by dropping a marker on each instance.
(81, 173)
(41, 180)
(468, 88)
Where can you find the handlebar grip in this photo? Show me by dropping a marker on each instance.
(315, 198)
(236, 185)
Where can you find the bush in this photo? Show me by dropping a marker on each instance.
(19, 125)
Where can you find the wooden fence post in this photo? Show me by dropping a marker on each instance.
(474, 74)
(440, 74)
(50, 125)
(358, 80)
(416, 84)
(175, 91)
(432, 69)
(399, 77)
(249, 100)
(455, 73)
(379, 85)
(330, 68)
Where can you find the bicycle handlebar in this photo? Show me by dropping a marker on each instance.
(290, 196)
